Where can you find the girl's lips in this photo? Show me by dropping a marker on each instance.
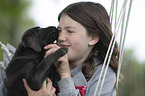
(65, 46)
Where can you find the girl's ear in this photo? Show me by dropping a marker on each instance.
(93, 40)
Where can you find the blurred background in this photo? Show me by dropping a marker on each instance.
(16, 16)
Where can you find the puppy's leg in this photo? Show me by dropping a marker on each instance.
(41, 71)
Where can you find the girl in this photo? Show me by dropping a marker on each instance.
(85, 29)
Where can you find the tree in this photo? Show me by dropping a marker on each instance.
(14, 21)
(133, 72)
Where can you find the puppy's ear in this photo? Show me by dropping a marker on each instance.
(31, 41)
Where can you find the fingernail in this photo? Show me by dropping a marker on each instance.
(45, 56)
(24, 80)
(45, 47)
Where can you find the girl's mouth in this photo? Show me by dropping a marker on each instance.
(67, 46)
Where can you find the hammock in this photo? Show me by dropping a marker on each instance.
(6, 50)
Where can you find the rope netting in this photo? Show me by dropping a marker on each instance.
(4, 48)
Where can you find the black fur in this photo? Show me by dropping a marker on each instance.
(28, 61)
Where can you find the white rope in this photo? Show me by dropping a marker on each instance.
(111, 11)
(122, 47)
(103, 66)
(107, 67)
(2, 65)
(3, 47)
(105, 60)
(113, 38)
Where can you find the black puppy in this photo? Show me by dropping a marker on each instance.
(28, 61)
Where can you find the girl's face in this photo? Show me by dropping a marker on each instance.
(74, 36)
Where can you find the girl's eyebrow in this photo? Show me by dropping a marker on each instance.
(65, 27)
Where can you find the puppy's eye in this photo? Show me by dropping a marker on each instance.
(59, 30)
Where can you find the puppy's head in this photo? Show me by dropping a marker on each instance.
(48, 35)
(36, 38)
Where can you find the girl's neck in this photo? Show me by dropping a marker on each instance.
(76, 63)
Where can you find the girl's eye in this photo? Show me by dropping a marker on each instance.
(70, 31)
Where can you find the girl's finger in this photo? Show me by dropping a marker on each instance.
(50, 51)
(43, 86)
(53, 91)
(49, 83)
(50, 88)
(51, 46)
(26, 86)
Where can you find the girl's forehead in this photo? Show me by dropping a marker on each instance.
(65, 19)
(67, 22)
(66, 27)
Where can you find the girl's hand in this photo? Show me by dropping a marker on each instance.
(62, 64)
(46, 90)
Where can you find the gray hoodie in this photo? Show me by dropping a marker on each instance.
(67, 85)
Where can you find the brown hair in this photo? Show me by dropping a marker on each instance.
(95, 19)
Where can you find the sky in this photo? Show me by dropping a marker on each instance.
(45, 12)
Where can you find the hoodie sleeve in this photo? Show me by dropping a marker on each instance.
(67, 88)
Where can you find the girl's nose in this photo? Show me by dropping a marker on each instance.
(62, 36)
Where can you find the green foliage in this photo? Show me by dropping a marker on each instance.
(133, 72)
(14, 21)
